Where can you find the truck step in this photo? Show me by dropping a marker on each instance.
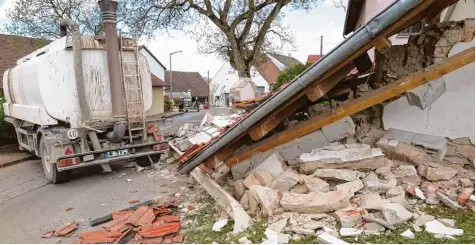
(136, 129)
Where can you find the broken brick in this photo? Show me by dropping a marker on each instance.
(178, 238)
(168, 218)
(133, 201)
(464, 196)
(66, 229)
(47, 234)
(159, 211)
(162, 230)
(69, 209)
(142, 216)
(154, 240)
(190, 207)
(116, 215)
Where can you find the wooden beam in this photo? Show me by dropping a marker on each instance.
(226, 151)
(352, 106)
(275, 119)
(316, 92)
(382, 44)
(416, 13)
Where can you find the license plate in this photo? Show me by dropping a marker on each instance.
(116, 153)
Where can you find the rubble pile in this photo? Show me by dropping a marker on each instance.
(361, 189)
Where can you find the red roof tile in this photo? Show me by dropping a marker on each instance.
(156, 82)
(313, 58)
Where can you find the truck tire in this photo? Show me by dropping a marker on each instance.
(50, 169)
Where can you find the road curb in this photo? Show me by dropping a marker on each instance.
(13, 162)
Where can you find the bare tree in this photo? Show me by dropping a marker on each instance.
(239, 31)
(340, 4)
(41, 18)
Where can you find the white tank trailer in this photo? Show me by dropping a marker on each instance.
(81, 101)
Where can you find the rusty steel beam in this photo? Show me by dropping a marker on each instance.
(352, 106)
(417, 13)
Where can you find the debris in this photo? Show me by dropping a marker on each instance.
(376, 186)
(345, 232)
(351, 156)
(283, 238)
(395, 213)
(315, 184)
(219, 225)
(121, 175)
(134, 201)
(378, 221)
(244, 240)
(416, 228)
(351, 187)
(68, 209)
(139, 168)
(448, 222)
(279, 225)
(447, 201)
(439, 173)
(128, 180)
(372, 201)
(299, 188)
(239, 189)
(250, 181)
(337, 174)
(437, 227)
(395, 191)
(349, 218)
(423, 219)
(315, 202)
(285, 181)
(225, 200)
(464, 196)
(337, 130)
(374, 226)
(415, 191)
(408, 234)
(264, 177)
(267, 197)
(466, 182)
(66, 229)
(406, 174)
(48, 234)
(273, 165)
(329, 239)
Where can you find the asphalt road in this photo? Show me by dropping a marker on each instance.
(29, 206)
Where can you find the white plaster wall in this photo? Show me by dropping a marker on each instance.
(463, 9)
(155, 67)
(451, 115)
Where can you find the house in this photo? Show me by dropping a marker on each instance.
(157, 70)
(444, 107)
(272, 64)
(191, 83)
(313, 58)
(360, 12)
(263, 77)
(15, 47)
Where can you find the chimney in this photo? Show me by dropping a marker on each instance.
(109, 19)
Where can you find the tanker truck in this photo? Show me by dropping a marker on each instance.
(81, 101)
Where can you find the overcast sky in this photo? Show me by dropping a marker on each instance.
(307, 28)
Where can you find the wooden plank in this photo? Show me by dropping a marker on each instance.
(382, 44)
(316, 92)
(416, 13)
(226, 151)
(352, 106)
(275, 119)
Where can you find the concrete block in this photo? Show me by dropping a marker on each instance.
(431, 142)
(291, 151)
(258, 158)
(340, 129)
(399, 135)
(224, 200)
(239, 170)
(424, 95)
(273, 165)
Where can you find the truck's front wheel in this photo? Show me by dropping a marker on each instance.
(51, 171)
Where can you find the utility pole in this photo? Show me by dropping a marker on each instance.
(170, 60)
(322, 40)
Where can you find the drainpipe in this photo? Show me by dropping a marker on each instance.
(78, 65)
(109, 19)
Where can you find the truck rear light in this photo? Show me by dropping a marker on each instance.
(161, 147)
(69, 161)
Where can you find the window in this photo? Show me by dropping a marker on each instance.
(412, 30)
(260, 89)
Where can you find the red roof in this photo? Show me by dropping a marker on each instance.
(15, 47)
(156, 82)
(313, 58)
